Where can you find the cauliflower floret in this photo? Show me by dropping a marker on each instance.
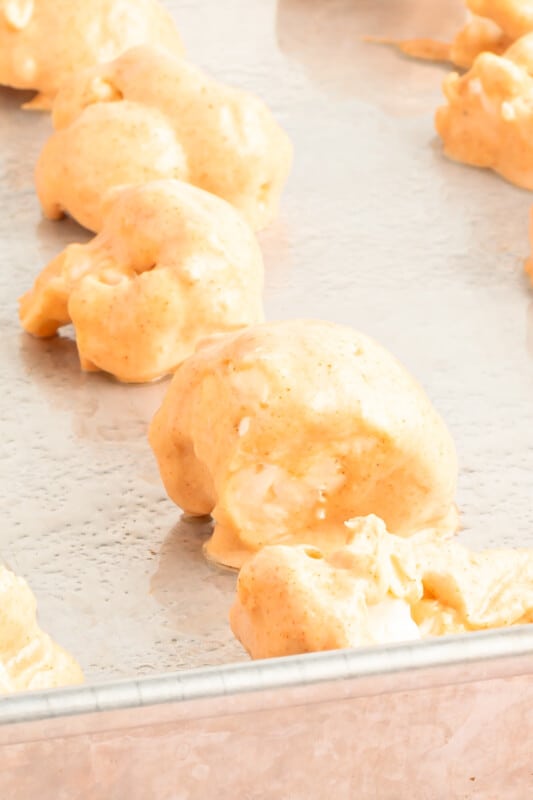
(379, 588)
(479, 35)
(284, 430)
(150, 114)
(514, 17)
(29, 659)
(488, 121)
(43, 42)
(171, 265)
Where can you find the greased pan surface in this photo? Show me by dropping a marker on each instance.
(377, 230)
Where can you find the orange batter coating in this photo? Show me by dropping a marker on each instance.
(377, 589)
(44, 42)
(29, 659)
(149, 115)
(514, 17)
(279, 430)
(488, 119)
(171, 265)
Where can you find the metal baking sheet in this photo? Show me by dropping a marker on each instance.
(377, 230)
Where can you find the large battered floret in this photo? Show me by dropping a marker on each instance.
(172, 265)
(284, 430)
(377, 589)
(44, 42)
(148, 115)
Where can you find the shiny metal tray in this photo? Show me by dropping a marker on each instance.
(377, 230)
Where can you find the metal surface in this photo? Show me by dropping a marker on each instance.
(437, 723)
(377, 230)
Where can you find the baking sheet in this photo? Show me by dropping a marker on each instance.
(377, 230)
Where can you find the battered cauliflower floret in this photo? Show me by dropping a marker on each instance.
(377, 589)
(29, 659)
(171, 265)
(514, 17)
(150, 114)
(43, 42)
(77, 169)
(284, 430)
(479, 35)
(488, 121)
